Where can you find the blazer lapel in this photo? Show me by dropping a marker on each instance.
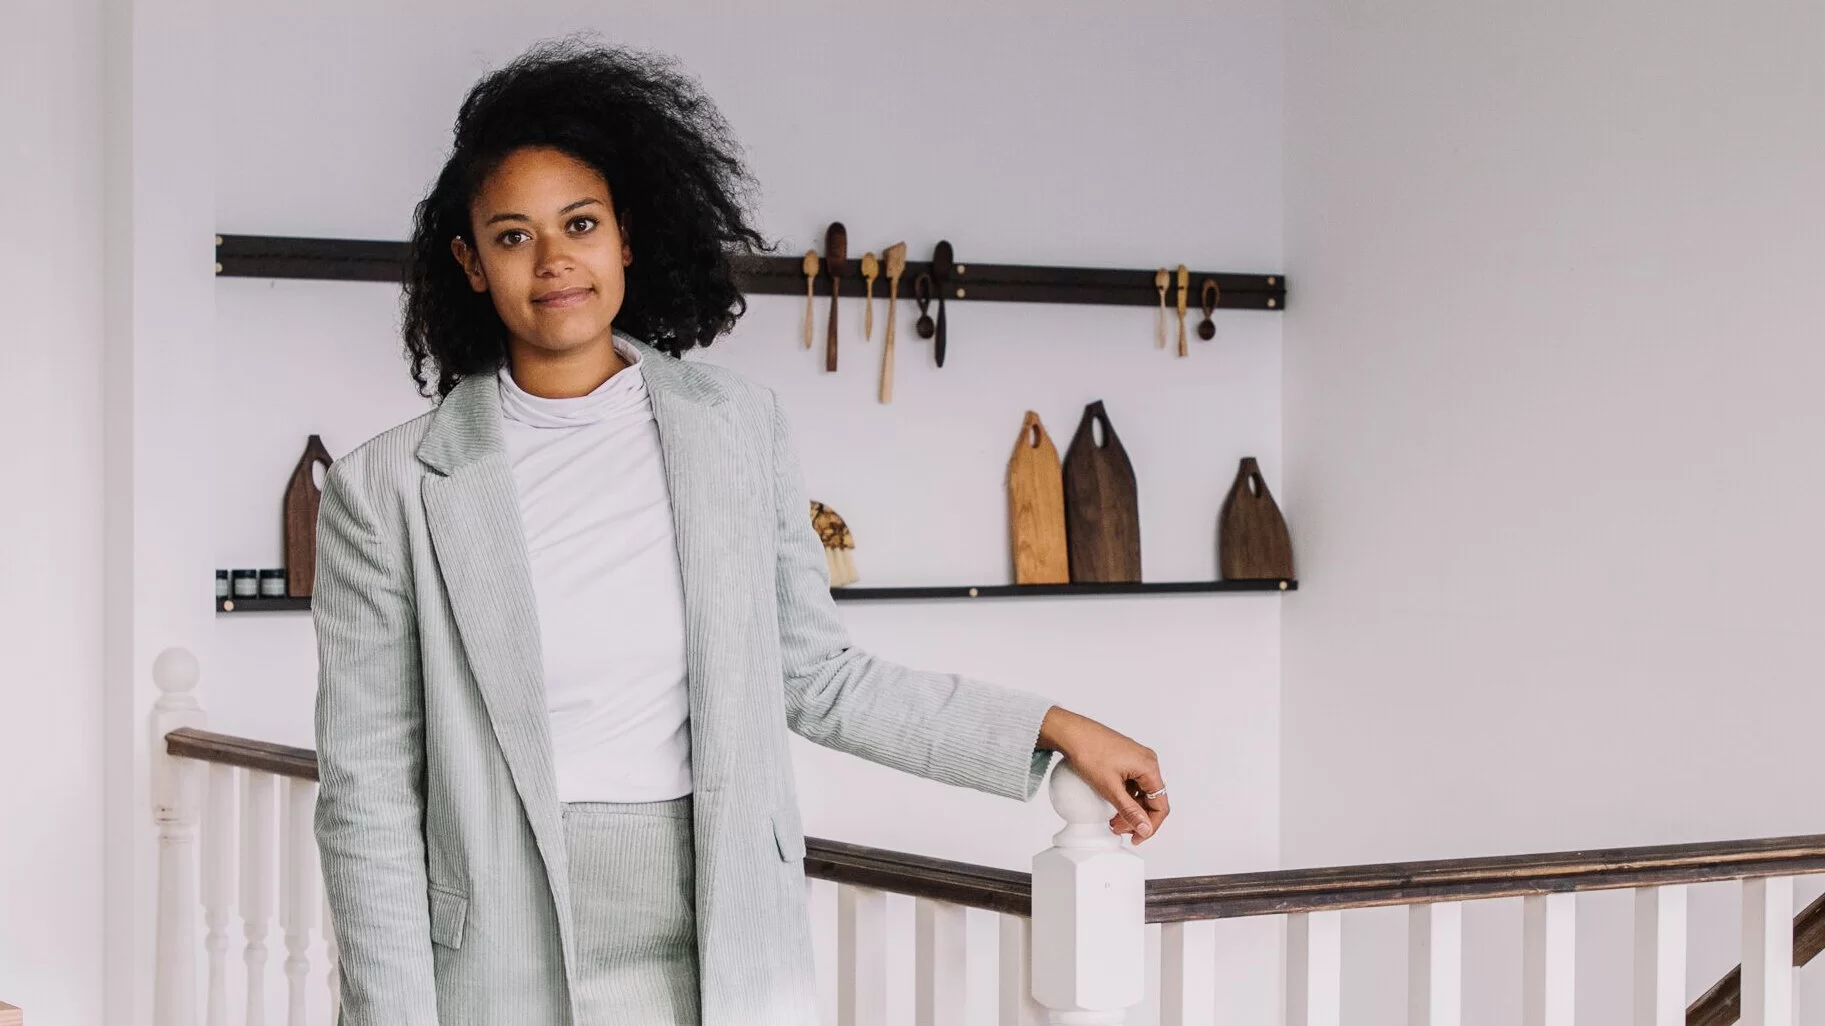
(702, 468)
(472, 511)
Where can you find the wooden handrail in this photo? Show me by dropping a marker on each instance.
(1415, 883)
(1182, 899)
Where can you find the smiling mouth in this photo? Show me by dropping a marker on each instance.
(568, 297)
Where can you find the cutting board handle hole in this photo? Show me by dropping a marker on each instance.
(1255, 485)
(1033, 436)
(319, 471)
(1098, 433)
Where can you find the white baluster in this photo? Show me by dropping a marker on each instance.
(1435, 964)
(333, 980)
(1089, 912)
(1314, 969)
(940, 963)
(1015, 1004)
(1768, 951)
(258, 856)
(218, 886)
(174, 812)
(298, 895)
(861, 942)
(1660, 956)
(1188, 982)
(1549, 959)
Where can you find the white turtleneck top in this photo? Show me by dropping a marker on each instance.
(610, 598)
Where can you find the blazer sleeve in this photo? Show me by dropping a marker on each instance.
(370, 753)
(940, 726)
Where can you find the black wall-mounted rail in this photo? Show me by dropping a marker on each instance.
(855, 594)
(276, 256)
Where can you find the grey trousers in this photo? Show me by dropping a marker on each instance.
(633, 894)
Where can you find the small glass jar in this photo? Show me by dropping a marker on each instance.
(246, 583)
(272, 584)
(221, 585)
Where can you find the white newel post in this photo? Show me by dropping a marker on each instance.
(175, 813)
(1089, 913)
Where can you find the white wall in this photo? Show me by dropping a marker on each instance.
(1022, 137)
(51, 569)
(1552, 404)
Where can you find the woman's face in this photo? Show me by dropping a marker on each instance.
(547, 248)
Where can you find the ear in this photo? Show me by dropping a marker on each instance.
(627, 251)
(472, 264)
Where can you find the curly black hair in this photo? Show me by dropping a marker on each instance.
(674, 171)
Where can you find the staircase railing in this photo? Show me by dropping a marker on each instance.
(1071, 942)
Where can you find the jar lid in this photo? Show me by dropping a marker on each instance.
(246, 573)
(272, 573)
(221, 573)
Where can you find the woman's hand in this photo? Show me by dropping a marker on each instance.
(1122, 770)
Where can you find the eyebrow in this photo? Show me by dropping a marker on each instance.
(584, 202)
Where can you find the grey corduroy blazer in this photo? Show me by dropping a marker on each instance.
(437, 818)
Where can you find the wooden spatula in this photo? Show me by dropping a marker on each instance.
(896, 266)
(836, 249)
(871, 269)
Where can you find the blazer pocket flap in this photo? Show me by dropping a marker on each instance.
(788, 834)
(448, 912)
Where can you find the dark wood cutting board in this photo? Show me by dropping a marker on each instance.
(1252, 541)
(302, 497)
(1036, 508)
(1102, 514)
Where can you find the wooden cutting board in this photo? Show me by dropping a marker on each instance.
(1102, 515)
(302, 497)
(1036, 508)
(11, 1016)
(1252, 541)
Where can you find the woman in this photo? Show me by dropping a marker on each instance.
(566, 619)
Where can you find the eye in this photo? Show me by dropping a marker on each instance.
(580, 217)
(502, 237)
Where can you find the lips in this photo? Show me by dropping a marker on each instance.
(562, 297)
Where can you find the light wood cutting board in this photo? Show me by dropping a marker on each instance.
(1036, 508)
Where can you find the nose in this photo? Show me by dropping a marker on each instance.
(553, 255)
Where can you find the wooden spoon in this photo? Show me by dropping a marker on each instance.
(871, 269)
(896, 266)
(1160, 278)
(1208, 297)
(1184, 288)
(810, 283)
(942, 266)
(836, 248)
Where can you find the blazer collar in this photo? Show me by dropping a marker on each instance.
(466, 426)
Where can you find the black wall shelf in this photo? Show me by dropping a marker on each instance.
(278, 256)
(854, 594)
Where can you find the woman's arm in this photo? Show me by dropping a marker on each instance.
(937, 725)
(370, 753)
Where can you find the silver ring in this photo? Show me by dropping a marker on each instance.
(1151, 795)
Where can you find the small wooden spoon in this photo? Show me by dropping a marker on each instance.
(811, 265)
(1208, 297)
(1160, 278)
(836, 248)
(1184, 298)
(871, 269)
(896, 266)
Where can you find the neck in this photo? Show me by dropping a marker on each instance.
(567, 374)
